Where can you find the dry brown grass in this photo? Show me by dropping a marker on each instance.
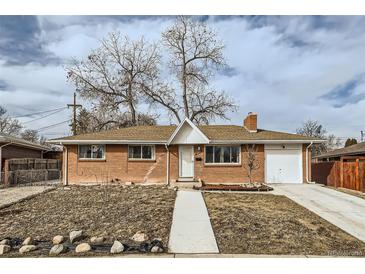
(113, 212)
(271, 224)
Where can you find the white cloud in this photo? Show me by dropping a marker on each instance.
(281, 66)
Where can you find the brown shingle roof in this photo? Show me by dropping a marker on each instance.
(163, 133)
(350, 150)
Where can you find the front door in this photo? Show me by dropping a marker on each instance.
(186, 156)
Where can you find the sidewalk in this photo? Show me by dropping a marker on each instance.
(191, 230)
(11, 195)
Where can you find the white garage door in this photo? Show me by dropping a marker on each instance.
(283, 164)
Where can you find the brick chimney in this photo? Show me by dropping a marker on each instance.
(250, 122)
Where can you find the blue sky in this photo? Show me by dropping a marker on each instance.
(287, 69)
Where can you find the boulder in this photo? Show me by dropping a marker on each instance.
(84, 247)
(140, 237)
(76, 235)
(117, 247)
(156, 249)
(27, 248)
(58, 239)
(4, 249)
(156, 246)
(97, 240)
(28, 241)
(129, 183)
(57, 249)
(5, 242)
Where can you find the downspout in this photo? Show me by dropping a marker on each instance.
(66, 166)
(307, 164)
(167, 164)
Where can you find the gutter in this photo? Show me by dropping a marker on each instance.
(307, 164)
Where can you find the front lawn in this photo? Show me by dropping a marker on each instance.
(271, 224)
(110, 211)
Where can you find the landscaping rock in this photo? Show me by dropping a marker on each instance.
(84, 247)
(58, 249)
(27, 248)
(76, 235)
(5, 242)
(97, 240)
(4, 249)
(117, 247)
(58, 239)
(156, 249)
(156, 246)
(28, 241)
(140, 237)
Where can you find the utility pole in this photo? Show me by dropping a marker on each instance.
(75, 106)
(362, 136)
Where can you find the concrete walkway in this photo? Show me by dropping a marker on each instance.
(191, 231)
(11, 195)
(341, 209)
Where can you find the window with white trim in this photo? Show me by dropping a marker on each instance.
(91, 151)
(141, 152)
(222, 154)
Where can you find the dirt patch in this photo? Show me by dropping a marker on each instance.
(272, 224)
(113, 212)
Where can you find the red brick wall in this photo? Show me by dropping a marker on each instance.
(116, 167)
(230, 173)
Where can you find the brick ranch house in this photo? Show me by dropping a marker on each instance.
(167, 154)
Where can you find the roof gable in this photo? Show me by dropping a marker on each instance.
(188, 133)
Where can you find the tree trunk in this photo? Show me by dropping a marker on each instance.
(132, 109)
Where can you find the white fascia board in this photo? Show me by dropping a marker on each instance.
(80, 142)
(187, 120)
(267, 141)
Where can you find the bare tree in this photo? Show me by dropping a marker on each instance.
(116, 73)
(195, 56)
(99, 119)
(252, 163)
(30, 135)
(9, 125)
(315, 129)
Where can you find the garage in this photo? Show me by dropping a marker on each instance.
(283, 164)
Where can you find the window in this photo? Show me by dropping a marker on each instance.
(91, 151)
(222, 154)
(141, 152)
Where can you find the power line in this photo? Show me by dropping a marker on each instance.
(36, 113)
(53, 125)
(57, 111)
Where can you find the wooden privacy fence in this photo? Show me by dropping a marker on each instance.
(26, 171)
(349, 173)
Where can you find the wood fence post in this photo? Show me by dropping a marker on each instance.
(6, 173)
(357, 177)
(341, 172)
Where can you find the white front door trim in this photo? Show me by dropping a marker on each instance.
(186, 161)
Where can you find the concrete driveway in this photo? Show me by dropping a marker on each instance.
(343, 210)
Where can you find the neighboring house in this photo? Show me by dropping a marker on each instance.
(12, 147)
(335, 155)
(162, 154)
